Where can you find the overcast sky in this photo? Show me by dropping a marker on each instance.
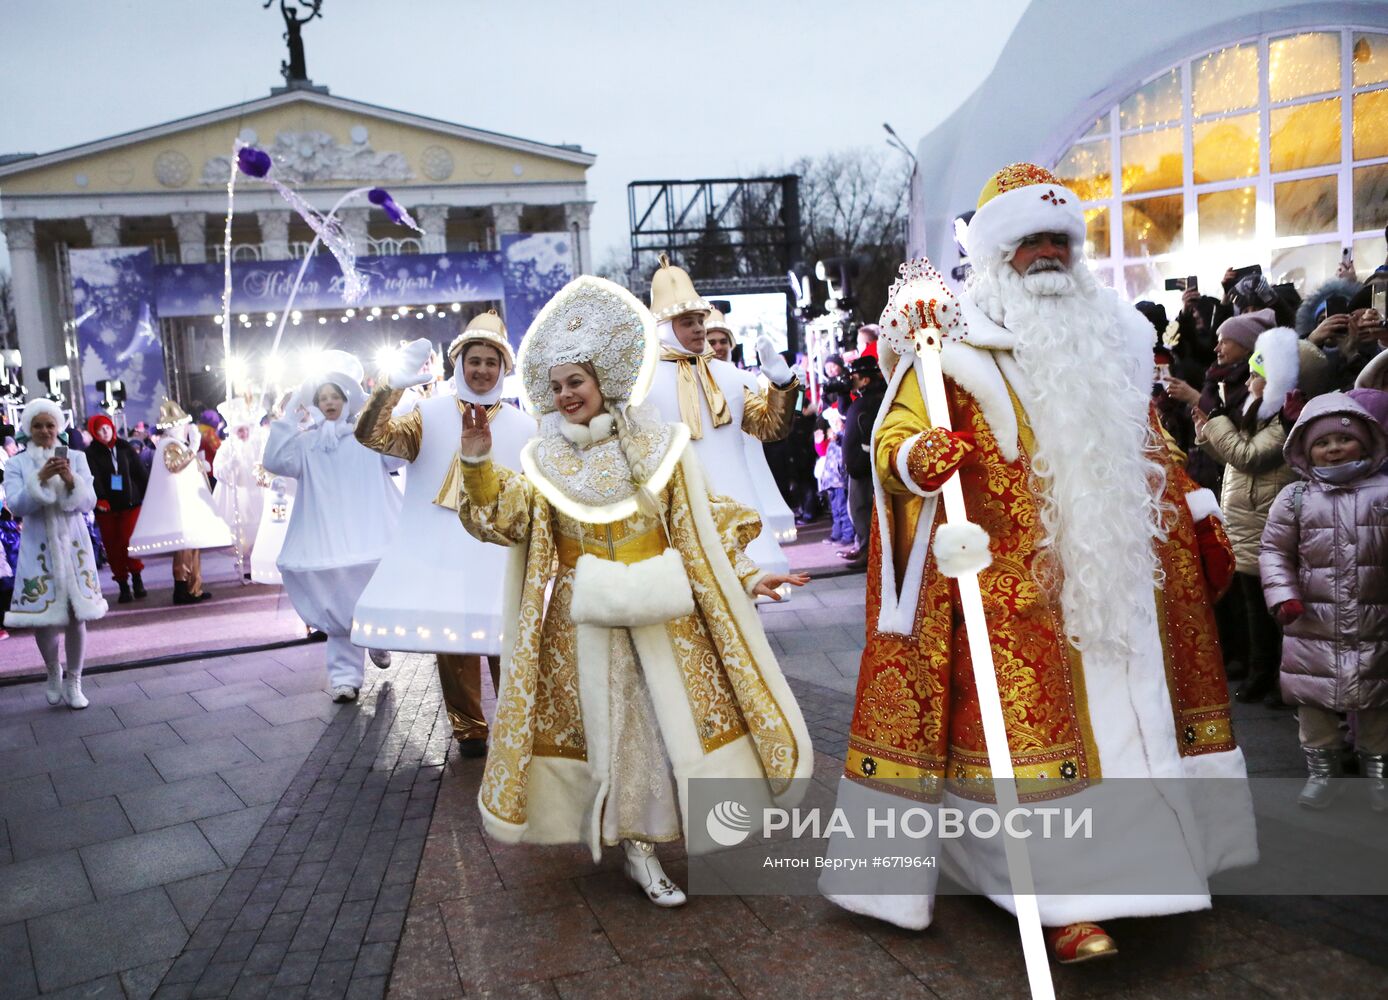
(656, 90)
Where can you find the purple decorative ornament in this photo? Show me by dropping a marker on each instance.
(381, 198)
(253, 162)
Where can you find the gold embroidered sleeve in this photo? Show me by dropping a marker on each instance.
(398, 437)
(904, 420)
(494, 503)
(735, 524)
(767, 414)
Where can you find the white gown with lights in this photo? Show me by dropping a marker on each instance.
(178, 512)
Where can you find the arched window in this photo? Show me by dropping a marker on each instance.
(1271, 151)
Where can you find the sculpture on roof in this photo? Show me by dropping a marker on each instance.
(295, 71)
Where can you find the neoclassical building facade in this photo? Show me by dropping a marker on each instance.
(165, 188)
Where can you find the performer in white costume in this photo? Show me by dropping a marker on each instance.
(711, 398)
(276, 508)
(56, 589)
(776, 515)
(345, 513)
(637, 662)
(238, 495)
(178, 515)
(438, 590)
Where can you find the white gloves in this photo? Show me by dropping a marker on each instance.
(773, 366)
(406, 371)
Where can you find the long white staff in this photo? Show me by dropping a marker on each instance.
(989, 701)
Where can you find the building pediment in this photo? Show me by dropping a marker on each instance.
(317, 140)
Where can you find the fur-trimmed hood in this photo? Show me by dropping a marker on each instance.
(1288, 363)
(1306, 318)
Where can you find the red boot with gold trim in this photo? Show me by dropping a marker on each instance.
(1080, 942)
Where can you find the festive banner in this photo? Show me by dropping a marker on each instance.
(537, 265)
(263, 286)
(117, 327)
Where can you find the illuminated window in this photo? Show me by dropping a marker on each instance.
(1271, 150)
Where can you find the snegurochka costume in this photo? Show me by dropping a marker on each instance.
(178, 514)
(438, 589)
(717, 402)
(638, 661)
(777, 518)
(1135, 730)
(345, 514)
(56, 588)
(239, 496)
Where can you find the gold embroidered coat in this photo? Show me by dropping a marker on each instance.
(721, 703)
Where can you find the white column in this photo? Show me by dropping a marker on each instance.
(274, 233)
(105, 229)
(26, 285)
(506, 218)
(191, 228)
(576, 216)
(433, 219)
(354, 224)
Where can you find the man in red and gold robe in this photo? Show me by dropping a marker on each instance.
(1102, 564)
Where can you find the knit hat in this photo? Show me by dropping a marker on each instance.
(1342, 423)
(1244, 330)
(97, 421)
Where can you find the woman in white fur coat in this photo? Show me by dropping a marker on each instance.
(56, 588)
(638, 661)
(345, 512)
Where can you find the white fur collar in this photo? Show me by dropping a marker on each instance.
(600, 428)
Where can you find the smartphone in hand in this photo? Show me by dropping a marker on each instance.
(60, 451)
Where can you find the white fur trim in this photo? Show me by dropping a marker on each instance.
(606, 514)
(961, 549)
(625, 595)
(1006, 218)
(44, 494)
(903, 471)
(42, 405)
(1281, 360)
(1203, 503)
(975, 370)
(479, 460)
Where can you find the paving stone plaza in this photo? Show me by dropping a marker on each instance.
(218, 828)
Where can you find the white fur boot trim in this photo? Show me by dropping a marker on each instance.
(961, 548)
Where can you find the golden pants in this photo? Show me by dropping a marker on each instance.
(461, 680)
(187, 566)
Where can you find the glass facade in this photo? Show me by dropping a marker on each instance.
(1270, 151)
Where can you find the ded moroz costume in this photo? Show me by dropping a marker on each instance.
(717, 402)
(438, 589)
(345, 511)
(638, 661)
(1101, 563)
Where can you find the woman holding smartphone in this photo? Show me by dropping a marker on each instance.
(56, 589)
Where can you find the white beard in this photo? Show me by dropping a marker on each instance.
(1101, 492)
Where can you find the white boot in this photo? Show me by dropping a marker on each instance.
(54, 689)
(643, 868)
(72, 692)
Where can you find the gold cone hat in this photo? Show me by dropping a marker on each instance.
(171, 415)
(673, 292)
(484, 328)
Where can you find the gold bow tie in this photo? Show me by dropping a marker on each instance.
(689, 364)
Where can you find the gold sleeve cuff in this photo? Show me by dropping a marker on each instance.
(767, 414)
(480, 482)
(399, 437)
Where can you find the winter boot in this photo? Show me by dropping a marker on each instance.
(138, 585)
(72, 689)
(1372, 765)
(125, 596)
(643, 868)
(1323, 784)
(54, 689)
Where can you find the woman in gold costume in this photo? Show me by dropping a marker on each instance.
(638, 661)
